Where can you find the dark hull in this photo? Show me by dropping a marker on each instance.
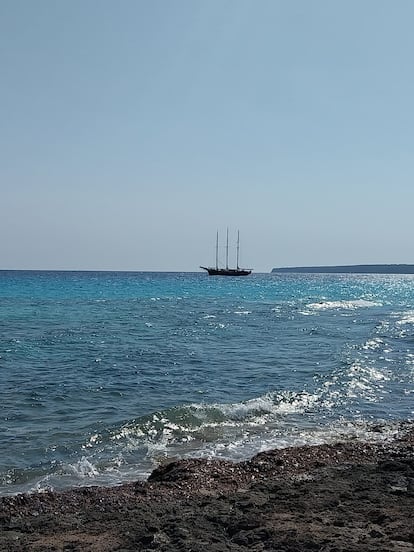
(227, 271)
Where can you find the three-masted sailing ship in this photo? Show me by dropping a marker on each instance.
(217, 271)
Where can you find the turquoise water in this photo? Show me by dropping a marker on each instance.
(103, 375)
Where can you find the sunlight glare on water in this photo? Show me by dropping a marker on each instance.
(102, 375)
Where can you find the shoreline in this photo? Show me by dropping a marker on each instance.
(348, 496)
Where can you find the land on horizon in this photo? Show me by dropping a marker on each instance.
(351, 269)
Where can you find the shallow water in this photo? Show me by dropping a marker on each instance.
(104, 374)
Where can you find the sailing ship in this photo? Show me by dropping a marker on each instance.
(217, 271)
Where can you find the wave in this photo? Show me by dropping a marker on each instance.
(232, 431)
(407, 318)
(351, 304)
(237, 431)
(243, 446)
(325, 413)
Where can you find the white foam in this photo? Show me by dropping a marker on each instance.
(83, 468)
(93, 440)
(343, 305)
(373, 344)
(408, 318)
(210, 423)
(244, 446)
(369, 372)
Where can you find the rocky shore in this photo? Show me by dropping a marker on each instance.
(349, 496)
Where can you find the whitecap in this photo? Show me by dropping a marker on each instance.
(373, 344)
(408, 318)
(344, 304)
(83, 468)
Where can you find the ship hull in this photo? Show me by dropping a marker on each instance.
(226, 271)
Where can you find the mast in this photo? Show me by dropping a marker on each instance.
(238, 248)
(217, 242)
(227, 250)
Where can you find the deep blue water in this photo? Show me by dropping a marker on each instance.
(103, 374)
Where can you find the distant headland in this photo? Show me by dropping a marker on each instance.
(351, 269)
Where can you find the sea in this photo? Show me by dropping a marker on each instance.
(106, 375)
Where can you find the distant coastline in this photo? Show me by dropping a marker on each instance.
(351, 269)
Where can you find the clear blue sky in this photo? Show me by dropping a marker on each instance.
(130, 131)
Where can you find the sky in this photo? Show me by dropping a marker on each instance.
(131, 131)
